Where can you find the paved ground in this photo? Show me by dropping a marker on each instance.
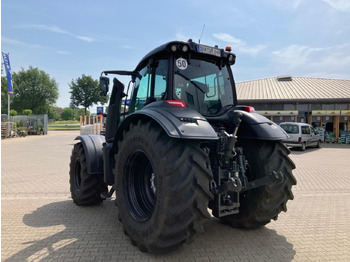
(39, 222)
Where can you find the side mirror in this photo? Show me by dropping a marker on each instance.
(104, 85)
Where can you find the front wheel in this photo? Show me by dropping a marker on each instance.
(318, 145)
(86, 188)
(162, 187)
(260, 205)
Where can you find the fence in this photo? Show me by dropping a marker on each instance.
(33, 124)
(91, 125)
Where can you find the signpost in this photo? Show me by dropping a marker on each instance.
(100, 110)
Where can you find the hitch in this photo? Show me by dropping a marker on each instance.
(232, 184)
(274, 177)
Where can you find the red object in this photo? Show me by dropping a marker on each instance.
(249, 109)
(178, 103)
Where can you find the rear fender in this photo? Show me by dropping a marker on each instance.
(177, 122)
(256, 126)
(92, 145)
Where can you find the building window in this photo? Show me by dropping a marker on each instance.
(316, 107)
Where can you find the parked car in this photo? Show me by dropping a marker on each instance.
(302, 135)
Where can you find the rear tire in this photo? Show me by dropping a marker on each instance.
(162, 187)
(260, 205)
(86, 189)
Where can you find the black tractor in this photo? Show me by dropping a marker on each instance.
(177, 150)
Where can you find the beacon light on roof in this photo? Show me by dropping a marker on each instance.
(228, 48)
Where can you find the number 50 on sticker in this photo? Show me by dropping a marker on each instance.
(181, 63)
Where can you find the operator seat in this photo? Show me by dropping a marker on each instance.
(193, 95)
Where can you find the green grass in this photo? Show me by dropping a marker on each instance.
(65, 122)
(64, 125)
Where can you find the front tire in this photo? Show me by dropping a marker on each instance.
(260, 205)
(162, 187)
(86, 189)
(318, 145)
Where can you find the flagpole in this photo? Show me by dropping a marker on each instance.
(8, 107)
(8, 101)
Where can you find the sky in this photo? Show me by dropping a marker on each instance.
(66, 39)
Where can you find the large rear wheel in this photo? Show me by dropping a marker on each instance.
(260, 205)
(162, 187)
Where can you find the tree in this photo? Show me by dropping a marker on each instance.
(52, 113)
(85, 92)
(80, 111)
(67, 113)
(34, 90)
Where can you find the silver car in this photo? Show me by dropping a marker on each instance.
(302, 135)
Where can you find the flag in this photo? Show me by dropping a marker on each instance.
(8, 72)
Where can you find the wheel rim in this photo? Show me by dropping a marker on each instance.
(77, 174)
(140, 186)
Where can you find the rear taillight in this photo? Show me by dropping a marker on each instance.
(299, 139)
(178, 103)
(249, 109)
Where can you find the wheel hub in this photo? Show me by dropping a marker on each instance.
(140, 186)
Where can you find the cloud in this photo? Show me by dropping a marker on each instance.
(62, 52)
(181, 36)
(295, 55)
(19, 43)
(296, 4)
(27, 45)
(56, 29)
(314, 61)
(285, 5)
(341, 5)
(238, 45)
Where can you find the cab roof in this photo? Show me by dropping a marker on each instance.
(192, 47)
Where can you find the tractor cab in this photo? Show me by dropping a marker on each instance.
(184, 74)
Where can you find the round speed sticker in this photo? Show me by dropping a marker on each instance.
(181, 63)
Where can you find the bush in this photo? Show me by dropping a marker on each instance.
(27, 112)
(67, 113)
(13, 112)
(20, 123)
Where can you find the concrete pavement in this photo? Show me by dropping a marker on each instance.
(39, 221)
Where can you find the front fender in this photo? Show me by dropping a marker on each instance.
(92, 145)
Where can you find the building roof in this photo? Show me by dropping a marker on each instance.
(287, 88)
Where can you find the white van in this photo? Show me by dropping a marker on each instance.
(301, 135)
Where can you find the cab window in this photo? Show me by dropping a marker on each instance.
(202, 85)
(151, 86)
